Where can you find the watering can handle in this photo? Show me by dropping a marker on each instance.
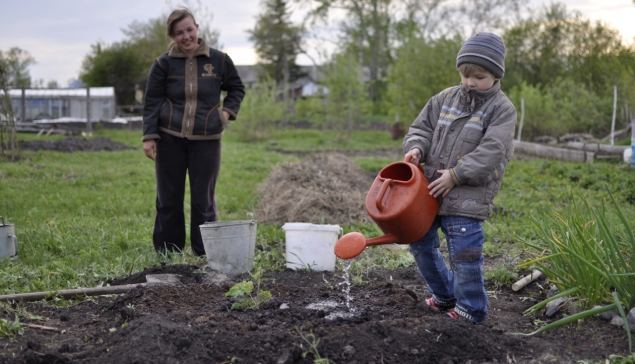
(379, 201)
(416, 164)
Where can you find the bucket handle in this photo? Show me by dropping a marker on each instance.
(379, 201)
(15, 242)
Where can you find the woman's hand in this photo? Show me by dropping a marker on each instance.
(442, 185)
(413, 156)
(150, 148)
(226, 115)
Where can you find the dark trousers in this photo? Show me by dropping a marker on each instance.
(200, 159)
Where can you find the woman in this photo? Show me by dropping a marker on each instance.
(183, 123)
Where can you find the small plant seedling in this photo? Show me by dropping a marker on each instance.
(246, 288)
(313, 343)
(10, 328)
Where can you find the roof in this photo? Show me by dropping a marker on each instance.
(60, 92)
(249, 74)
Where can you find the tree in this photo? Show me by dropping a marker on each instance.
(479, 15)
(16, 72)
(277, 42)
(260, 111)
(8, 136)
(118, 65)
(365, 33)
(346, 92)
(562, 43)
(150, 38)
(558, 47)
(125, 65)
(423, 69)
(435, 19)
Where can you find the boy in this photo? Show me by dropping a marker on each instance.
(463, 136)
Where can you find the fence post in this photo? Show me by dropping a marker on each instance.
(23, 106)
(89, 127)
(614, 110)
(522, 118)
(633, 142)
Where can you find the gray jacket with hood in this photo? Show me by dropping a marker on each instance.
(470, 133)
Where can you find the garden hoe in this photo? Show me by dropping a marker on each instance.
(151, 280)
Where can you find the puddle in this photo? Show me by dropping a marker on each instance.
(323, 305)
(335, 310)
(344, 315)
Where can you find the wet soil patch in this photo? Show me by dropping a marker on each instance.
(191, 322)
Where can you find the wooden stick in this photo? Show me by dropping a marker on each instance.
(44, 328)
(526, 280)
(68, 293)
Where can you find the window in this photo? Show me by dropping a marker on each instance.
(56, 108)
(105, 110)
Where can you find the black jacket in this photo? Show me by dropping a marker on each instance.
(183, 95)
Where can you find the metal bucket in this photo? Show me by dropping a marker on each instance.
(8, 241)
(230, 245)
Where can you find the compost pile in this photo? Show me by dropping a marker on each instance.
(307, 318)
(74, 144)
(323, 189)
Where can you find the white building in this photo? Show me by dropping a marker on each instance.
(69, 104)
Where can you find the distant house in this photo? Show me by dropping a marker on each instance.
(303, 87)
(63, 104)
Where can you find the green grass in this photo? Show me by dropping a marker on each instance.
(84, 218)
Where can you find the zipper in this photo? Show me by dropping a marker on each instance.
(189, 110)
(439, 136)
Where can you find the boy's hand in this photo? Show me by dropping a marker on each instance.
(413, 156)
(442, 185)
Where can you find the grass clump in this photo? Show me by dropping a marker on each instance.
(589, 254)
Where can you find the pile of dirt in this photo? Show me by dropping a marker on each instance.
(323, 189)
(307, 319)
(74, 144)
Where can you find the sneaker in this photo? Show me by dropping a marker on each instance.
(453, 314)
(432, 304)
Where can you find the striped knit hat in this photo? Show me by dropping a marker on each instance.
(486, 50)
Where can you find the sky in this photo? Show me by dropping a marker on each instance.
(59, 34)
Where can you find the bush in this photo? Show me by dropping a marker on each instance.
(259, 113)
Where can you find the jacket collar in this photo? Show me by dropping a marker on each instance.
(202, 50)
(473, 98)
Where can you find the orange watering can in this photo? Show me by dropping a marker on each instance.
(400, 204)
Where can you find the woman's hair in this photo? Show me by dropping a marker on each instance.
(467, 69)
(176, 16)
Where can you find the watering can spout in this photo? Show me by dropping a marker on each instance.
(353, 244)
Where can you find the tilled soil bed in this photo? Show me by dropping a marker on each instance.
(307, 319)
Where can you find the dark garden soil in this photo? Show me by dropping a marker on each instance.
(191, 322)
(73, 144)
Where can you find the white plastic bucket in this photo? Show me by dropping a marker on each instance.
(311, 246)
(230, 245)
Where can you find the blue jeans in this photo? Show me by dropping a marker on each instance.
(463, 283)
